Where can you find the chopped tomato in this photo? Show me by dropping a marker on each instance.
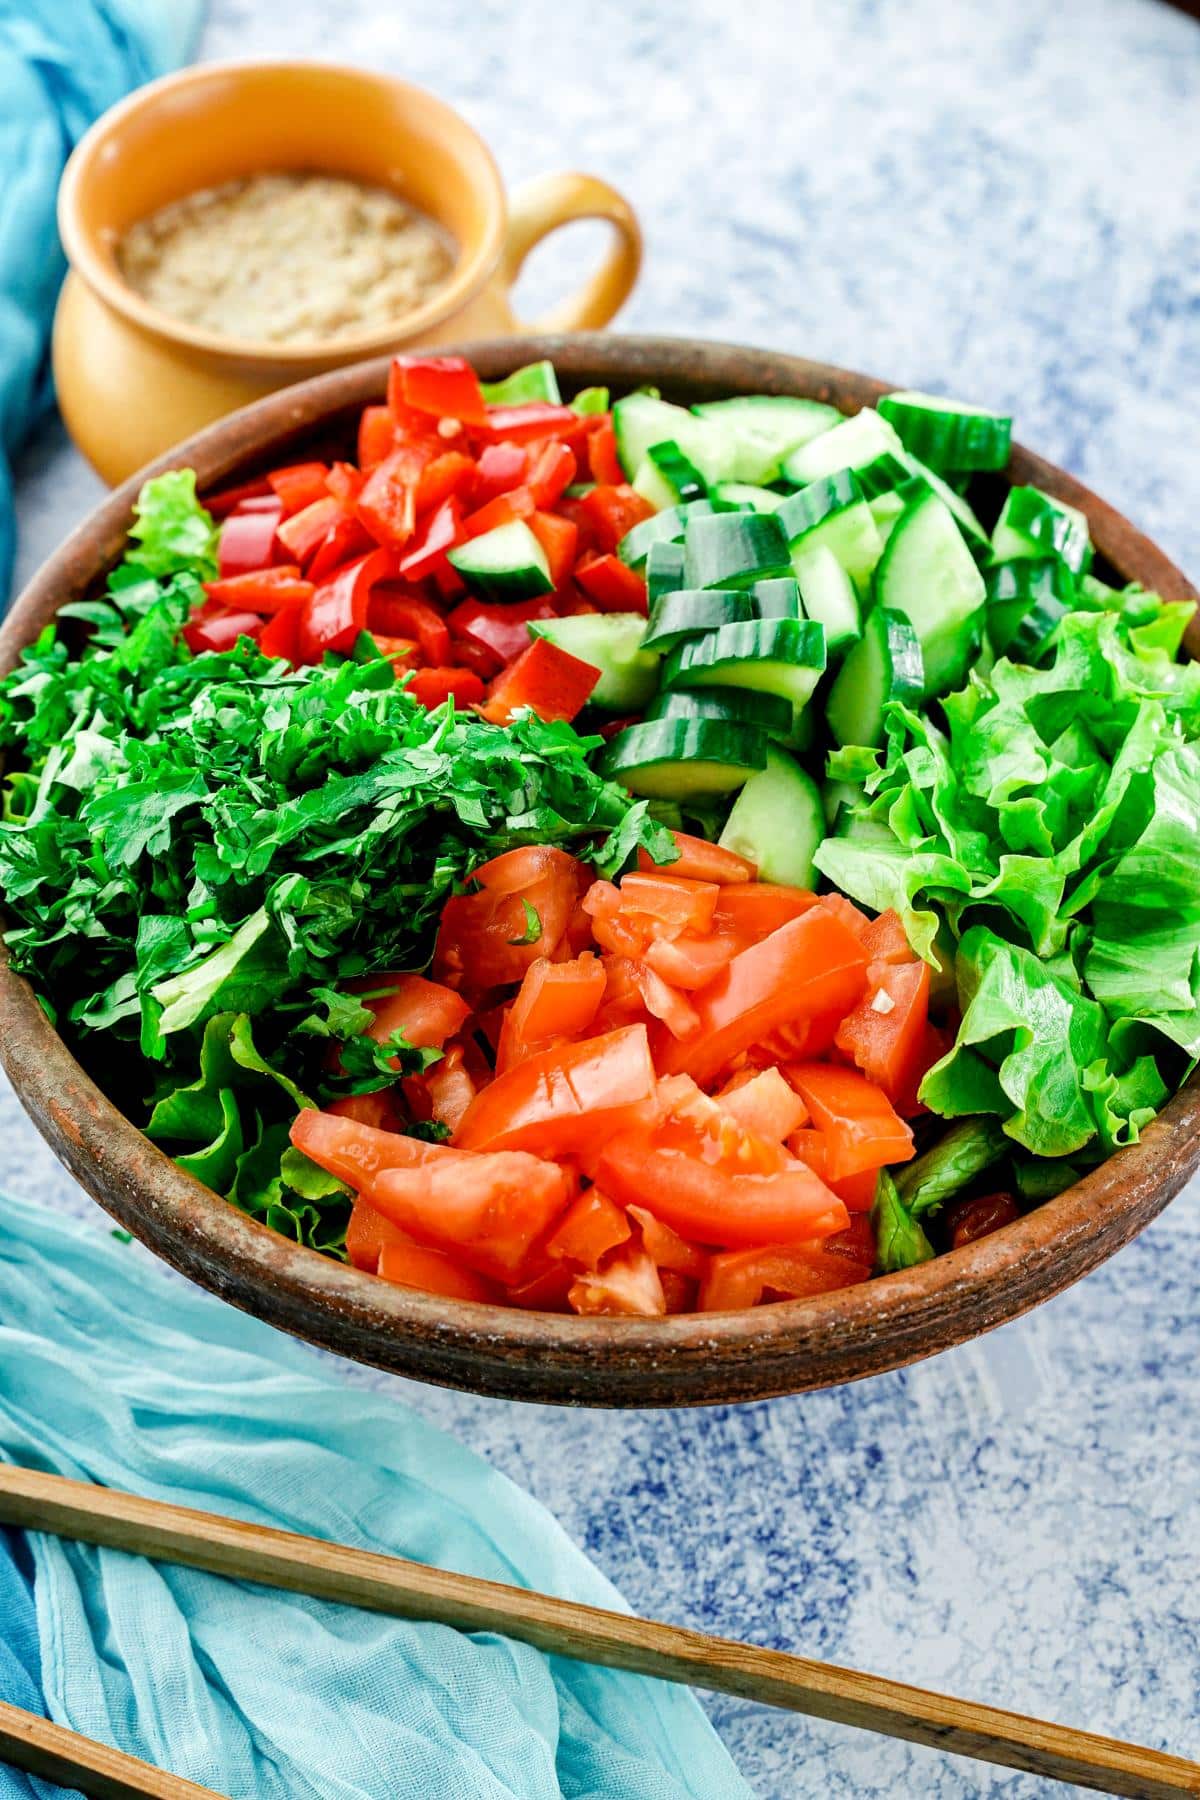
(381, 1110)
(353, 1151)
(857, 1241)
(634, 992)
(484, 939)
(425, 1011)
(753, 910)
(450, 1087)
(884, 939)
(219, 630)
(303, 534)
(431, 686)
(938, 1042)
(445, 386)
(490, 1209)
(550, 681)
(366, 1235)
(628, 1283)
(885, 1033)
(611, 512)
(803, 969)
(567, 1100)
(590, 1228)
(552, 470)
(401, 613)
(299, 485)
(699, 860)
(556, 1000)
(743, 1278)
(668, 1249)
(501, 628)
(690, 962)
(248, 541)
(764, 1104)
(850, 915)
(671, 903)
(858, 1191)
(500, 467)
(544, 1292)
(611, 584)
(558, 538)
(862, 1129)
(603, 461)
(376, 436)
(261, 591)
(433, 1272)
(712, 1203)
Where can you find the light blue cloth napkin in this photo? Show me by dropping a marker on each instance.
(20, 1674)
(62, 62)
(112, 1371)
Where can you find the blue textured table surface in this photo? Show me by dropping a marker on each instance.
(1001, 202)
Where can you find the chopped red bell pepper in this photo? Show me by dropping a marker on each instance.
(445, 386)
(303, 534)
(387, 505)
(406, 614)
(611, 583)
(338, 609)
(219, 630)
(227, 500)
(612, 512)
(431, 686)
(553, 683)
(500, 468)
(552, 471)
(248, 541)
(500, 628)
(558, 538)
(451, 473)
(376, 436)
(518, 504)
(344, 540)
(280, 636)
(603, 461)
(535, 419)
(344, 481)
(262, 590)
(299, 485)
(440, 532)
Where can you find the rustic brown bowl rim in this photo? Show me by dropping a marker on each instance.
(683, 1360)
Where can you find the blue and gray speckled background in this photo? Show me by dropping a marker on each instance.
(1003, 201)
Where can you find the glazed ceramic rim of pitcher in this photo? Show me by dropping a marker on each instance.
(87, 260)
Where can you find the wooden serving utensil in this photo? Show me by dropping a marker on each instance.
(389, 1584)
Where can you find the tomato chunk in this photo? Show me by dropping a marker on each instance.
(490, 1210)
(668, 1249)
(433, 1272)
(802, 969)
(425, 1011)
(627, 1284)
(862, 1129)
(566, 1100)
(765, 1105)
(366, 1235)
(885, 1033)
(519, 913)
(753, 910)
(698, 860)
(591, 1227)
(741, 1278)
(557, 1000)
(711, 1204)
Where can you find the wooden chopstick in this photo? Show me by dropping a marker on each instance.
(42, 1748)
(413, 1590)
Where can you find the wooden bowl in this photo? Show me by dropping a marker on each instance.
(678, 1361)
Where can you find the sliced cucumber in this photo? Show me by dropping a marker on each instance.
(743, 496)
(536, 381)
(832, 513)
(927, 573)
(978, 542)
(735, 706)
(772, 656)
(589, 401)
(828, 595)
(851, 445)
(664, 570)
(733, 549)
(778, 821)
(1034, 524)
(883, 666)
(945, 434)
(612, 643)
(778, 598)
(678, 759)
(780, 422)
(717, 450)
(1026, 599)
(665, 527)
(883, 475)
(885, 509)
(688, 612)
(666, 476)
(505, 564)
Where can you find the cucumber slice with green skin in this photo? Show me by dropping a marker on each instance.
(883, 666)
(978, 541)
(690, 612)
(664, 570)
(831, 513)
(742, 496)
(945, 434)
(589, 401)
(838, 798)
(829, 596)
(928, 574)
(778, 598)
(505, 564)
(772, 656)
(1033, 524)
(883, 475)
(612, 643)
(678, 759)
(717, 450)
(735, 706)
(664, 527)
(734, 550)
(778, 822)
(851, 445)
(885, 509)
(652, 485)
(536, 381)
(781, 422)
(1026, 600)
(666, 477)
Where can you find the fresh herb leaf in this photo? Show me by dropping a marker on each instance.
(965, 1151)
(899, 1240)
(533, 926)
